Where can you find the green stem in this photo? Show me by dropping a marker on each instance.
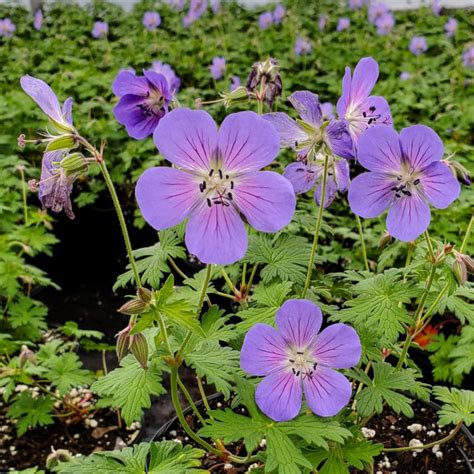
(177, 269)
(244, 274)
(182, 418)
(259, 107)
(317, 228)
(430, 246)
(190, 401)
(429, 445)
(204, 397)
(23, 192)
(252, 276)
(229, 282)
(467, 236)
(362, 243)
(164, 333)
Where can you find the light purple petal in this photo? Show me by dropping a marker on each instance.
(408, 217)
(307, 105)
(247, 142)
(378, 149)
(266, 198)
(159, 82)
(421, 145)
(289, 131)
(301, 176)
(264, 351)
(216, 234)
(339, 138)
(127, 82)
(338, 346)
(330, 192)
(365, 76)
(299, 322)
(342, 175)
(279, 395)
(67, 110)
(166, 196)
(344, 100)
(439, 185)
(43, 95)
(370, 194)
(327, 392)
(187, 138)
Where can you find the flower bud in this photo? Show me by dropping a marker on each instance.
(61, 142)
(134, 306)
(74, 163)
(57, 456)
(237, 95)
(139, 348)
(463, 265)
(145, 295)
(384, 240)
(123, 343)
(264, 81)
(459, 171)
(26, 355)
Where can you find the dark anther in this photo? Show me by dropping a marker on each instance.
(292, 361)
(209, 203)
(202, 186)
(364, 114)
(220, 174)
(398, 195)
(297, 373)
(229, 195)
(300, 353)
(399, 178)
(227, 176)
(417, 181)
(211, 172)
(395, 188)
(330, 173)
(293, 370)
(406, 192)
(402, 186)
(371, 120)
(300, 169)
(296, 144)
(372, 109)
(314, 365)
(231, 185)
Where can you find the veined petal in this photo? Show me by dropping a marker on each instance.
(247, 142)
(421, 145)
(370, 112)
(187, 138)
(301, 176)
(342, 175)
(67, 110)
(307, 105)
(43, 95)
(344, 100)
(127, 82)
(378, 149)
(289, 131)
(338, 346)
(299, 322)
(439, 185)
(339, 139)
(365, 76)
(159, 82)
(408, 217)
(266, 198)
(264, 351)
(330, 192)
(370, 194)
(279, 395)
(327, 392)
(166, 196)
(216, 234)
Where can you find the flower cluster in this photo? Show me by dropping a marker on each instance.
(418, 45)
(218, 67)
(266, 19)
(100, 29)
(302, 46)
(38, 19)
(151, 20)
(197, 8)
(7, 28)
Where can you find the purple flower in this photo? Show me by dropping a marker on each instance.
(7, 28)
(177, 5)
(296, 358)
(356, 4)
(322, 21)
(218, 67)
(405, 174)
(451, 27)
(302, 46)
(468, 57)
(151, 20)
(216, 179)
(166, 70)
(404, 76)
(143, 101)
(197, 8)
(38, 19)
(355, 105)
(101, 29)
(376, 10)
(327, 109)
(235, 83)
(306, 135)
(278, 14)
(384, 24)
(418, 45)
(215, 6)
(436, 7)
(265, 20)
(343, 24)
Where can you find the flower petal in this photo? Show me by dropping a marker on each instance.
(301, 176)
(439, 185)
(216, 234)
(365, 76)
(166, 196)
(43, 95)
(370, 194)
(342, 175)
(127, 82)
(299, 322)
(159, 82)
(247, 142)
(67, 110)
(378, 149)
(289, 131)
(338, 346)
(339, 139)
(327, 392)
(279, 395)
(307, 105)
(330, 192)
(264, 350)
(344, 100)
(187, 138)
(408, 217)
(371, 112)
(266, 198)
(421, 145)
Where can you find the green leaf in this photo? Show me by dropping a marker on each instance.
(31, 412)
(130, 387)
(458, 405)
(71, 328)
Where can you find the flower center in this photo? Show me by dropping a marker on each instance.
(153, 104)
(302, 363)
(407, 184)
(217, 187)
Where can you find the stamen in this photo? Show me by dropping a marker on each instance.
(406, 192)
(231, 185)
(209, 203)
(220, 174)
(211, 172)
(229, 196)
(417, 181)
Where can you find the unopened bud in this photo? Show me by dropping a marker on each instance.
(237, 95)
(460, 271)
(123, 343)
(134, 306)
(139, 348)
(26, 355)
(447, 249)
(145, 295)
(459, 171)
(384, 240)
(74, 163)
(57, 456)
(62, 142)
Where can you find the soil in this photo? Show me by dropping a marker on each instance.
(388, 428)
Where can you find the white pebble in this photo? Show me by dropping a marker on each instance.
(228, 466)
(263, 443)
(219, 404)
(431, 472)
(435, 448)
(431, 433)
(368, 433)
(415, 428)
(77, 436)
(415, 442)
(93, 423)
(173, 433)
(439, 454)
(21, 388)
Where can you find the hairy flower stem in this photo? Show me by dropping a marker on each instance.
(317, 228)
(229, 283)
(467, 236)
(23, 193)
(176, 268)
(204, 397)
(190, 401)
(447, 438)
(362, 243)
